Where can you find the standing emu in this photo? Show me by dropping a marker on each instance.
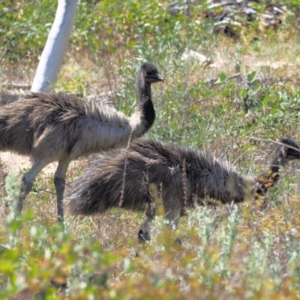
(57, 127)
(185, 178)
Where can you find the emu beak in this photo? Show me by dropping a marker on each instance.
(292, 148)
(155, 78)
(159, 78)
(293, 153)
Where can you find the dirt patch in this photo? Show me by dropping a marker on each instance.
(11, 162)
(14, 163)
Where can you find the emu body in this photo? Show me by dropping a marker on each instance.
(58, 127)
(185, 177)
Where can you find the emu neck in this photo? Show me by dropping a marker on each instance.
(145, 106)
(277, 162)
(269, 178)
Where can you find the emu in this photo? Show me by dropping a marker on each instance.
(59, 127)
(184, 177)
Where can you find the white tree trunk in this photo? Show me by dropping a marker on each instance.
(55, 48)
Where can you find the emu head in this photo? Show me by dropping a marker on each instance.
(150, 73)
(288, 149)
(291, 149)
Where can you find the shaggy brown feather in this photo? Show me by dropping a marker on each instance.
(184, 177)
(58, 127)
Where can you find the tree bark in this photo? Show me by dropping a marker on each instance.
(55, 48)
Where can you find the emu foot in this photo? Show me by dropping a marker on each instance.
(19, 206)
(143, 236)
(25, 189)
(178, 241)
(59, 283)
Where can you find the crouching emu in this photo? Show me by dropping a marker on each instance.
(58, 127)
(185, 177)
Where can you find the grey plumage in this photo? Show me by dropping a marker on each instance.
(58, 127)
(185, 177)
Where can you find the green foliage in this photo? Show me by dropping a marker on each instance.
(224, 252)
(248, 251)
(24, 28)
(100, 26)
(106, 27)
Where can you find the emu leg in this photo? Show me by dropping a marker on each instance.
(173, 209)
(25, 189)
(27, 182)
(173, 218)
(144, 232)
(59, 182)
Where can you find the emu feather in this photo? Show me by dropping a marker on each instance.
(185, 177)
(58, 127)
